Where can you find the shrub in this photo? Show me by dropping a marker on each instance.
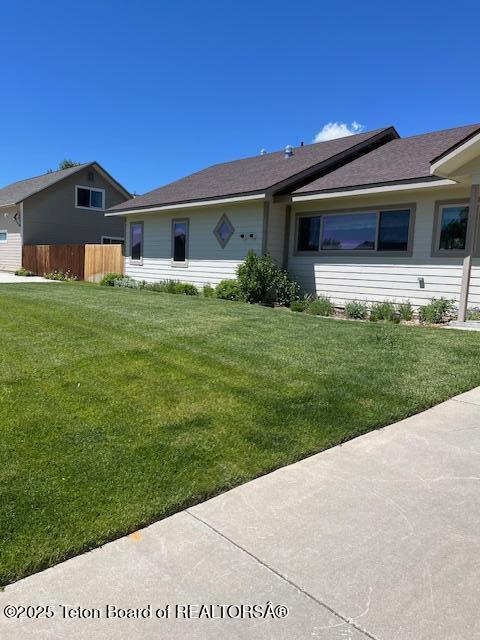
(208, 291)
(260, 280)
(24, 272)
(109, 278)
(228, 290)
(127, 282)
(383, 311)
(300, 304)
(320, 306)
(473, 313)
(356, 310)
(59, 275)
(439, 310)
(405, 310)
(186, 288)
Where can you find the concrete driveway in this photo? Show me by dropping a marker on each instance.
(10, 278)
(378, 538)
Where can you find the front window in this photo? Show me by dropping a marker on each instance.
(180, 240)
(3, 236)
(453, 228)
(378, 230)
(136, 240)
(309, 233)
(350, 232)
(88, 198)
(393, 232)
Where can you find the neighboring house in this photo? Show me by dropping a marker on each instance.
(371, 216)
(60, 207)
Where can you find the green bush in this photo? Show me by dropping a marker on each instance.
(383, 311)
(438, 311)
(24, 272)
(473, 313)
(356, 310)
(300, 304)
(169, 286)
(228, 290)
(109, 278)
(405, 310)
(208, 291)
(59, 275)
(260, 280)
(126, 282)
(320, 306)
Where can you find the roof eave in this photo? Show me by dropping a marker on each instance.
(366, 189)
(188, 204)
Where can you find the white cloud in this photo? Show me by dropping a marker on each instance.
(333, 130)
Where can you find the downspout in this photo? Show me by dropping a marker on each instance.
(471, 244)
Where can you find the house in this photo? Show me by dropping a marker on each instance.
(371, 216)
(60, 207)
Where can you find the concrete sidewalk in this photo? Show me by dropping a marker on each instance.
(6, 277)
(377, 538)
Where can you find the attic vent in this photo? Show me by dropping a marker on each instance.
(91, 176)
(288, 151)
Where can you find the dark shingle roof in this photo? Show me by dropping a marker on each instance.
(396, 161)
(249, 175)
(18, 191)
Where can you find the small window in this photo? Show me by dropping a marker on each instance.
(350, 232)
(180, 240)
(224, 230)
(136, 240)
(453, 228)
(393, 230)
(88, 198)
(3, 236)
(308, 233)
(112, 240)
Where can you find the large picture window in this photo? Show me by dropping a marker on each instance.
(381, 230)
(180, 241)
(136, 241)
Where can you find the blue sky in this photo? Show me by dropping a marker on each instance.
(157, 90)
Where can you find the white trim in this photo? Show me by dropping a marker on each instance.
(81, 186)
(369, 190)
(6, 236)
(112, 238)
(465, 147)
(188, 205)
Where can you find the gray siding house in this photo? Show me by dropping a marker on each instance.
(371, 216)
(60, 207)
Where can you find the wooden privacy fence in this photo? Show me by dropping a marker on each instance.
(85, 261)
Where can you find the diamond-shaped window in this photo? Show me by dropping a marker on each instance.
(224, 230)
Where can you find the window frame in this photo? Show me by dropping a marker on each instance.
(216, 231)
(102, 191)
(377, 209)
(437, 229)
(122, 240)
(130, 259)
(5, 231)
(180, 264)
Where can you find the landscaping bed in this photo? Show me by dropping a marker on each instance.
(121, 406)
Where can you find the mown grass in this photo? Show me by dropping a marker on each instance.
(119, 407)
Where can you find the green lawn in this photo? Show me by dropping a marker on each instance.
(119, 407)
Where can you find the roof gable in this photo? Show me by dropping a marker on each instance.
(16, 192)
(257, 174)
(404, 159)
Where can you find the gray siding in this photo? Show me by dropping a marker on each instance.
(276, 232)
(10, 251)
(208, 262)
(50, 217)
